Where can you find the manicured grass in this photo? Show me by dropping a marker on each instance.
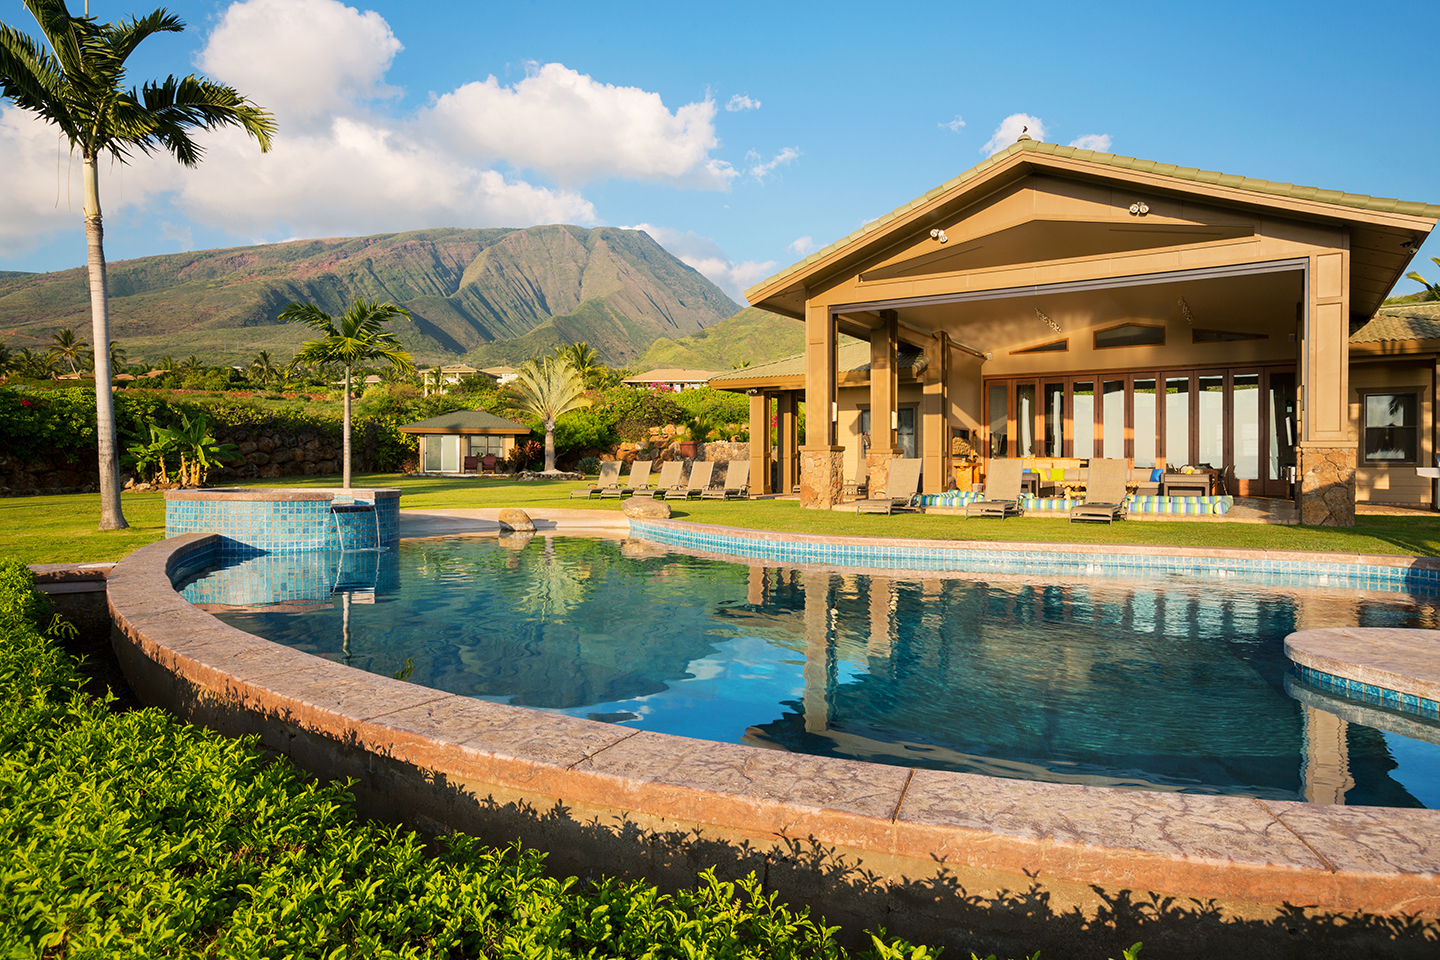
(62, 529)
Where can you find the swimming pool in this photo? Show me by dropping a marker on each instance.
(1157, 683)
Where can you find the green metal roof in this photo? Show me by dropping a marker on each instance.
(1270, 187)
(853, 357)
(465, 421)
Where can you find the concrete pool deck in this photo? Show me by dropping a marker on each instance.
(959, 860)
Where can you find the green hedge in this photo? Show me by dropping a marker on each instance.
(133, 835)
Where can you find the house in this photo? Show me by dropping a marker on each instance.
(502, 375)
(670, 379)
(438, 379)
(448, 440)
(1054, 302)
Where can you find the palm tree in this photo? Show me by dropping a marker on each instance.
(118, 357)
(1432, 288)
(263, 369)
(77, 84)
(548, 388)
(7, 359)
(36, 366)
(359, 337)
(68, 348)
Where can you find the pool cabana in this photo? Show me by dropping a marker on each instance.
(1074, 304)
(448, 441)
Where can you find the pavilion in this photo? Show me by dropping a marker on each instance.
(1054, 302)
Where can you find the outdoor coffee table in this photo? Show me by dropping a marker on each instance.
(1185, 485)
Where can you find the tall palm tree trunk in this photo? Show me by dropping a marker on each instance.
(549, 446)
(111, 516)
(345, 483)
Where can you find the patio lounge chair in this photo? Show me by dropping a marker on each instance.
(609, 479)
(737, 483)
(639, 479)
(900, 489)
(700, 473)
(1002, 490)
(668, 483)
(1104, 493)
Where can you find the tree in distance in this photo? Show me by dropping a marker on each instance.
(358, 337)
(1433, 289)
(78, 85)
(68, 349)
(547, 388)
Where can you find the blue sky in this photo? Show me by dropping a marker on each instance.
(741, 136)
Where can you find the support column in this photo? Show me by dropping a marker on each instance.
(760, 442)
(821, 464)
(787, 420)
(935, 416)
(1328, 445)
(884, 401)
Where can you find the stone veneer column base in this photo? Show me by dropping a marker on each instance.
(1327, 486)
(822, 477)
(877, 468)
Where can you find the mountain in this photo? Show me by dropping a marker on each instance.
(501, 294)
(752, 334)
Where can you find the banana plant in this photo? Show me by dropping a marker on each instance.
(191, 444)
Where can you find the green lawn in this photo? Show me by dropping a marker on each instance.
(62, 529)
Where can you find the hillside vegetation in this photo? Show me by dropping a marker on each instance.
(495, 295)
(752, 335)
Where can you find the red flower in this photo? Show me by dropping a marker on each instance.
(24, 403)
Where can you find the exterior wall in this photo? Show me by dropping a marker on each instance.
(1399, 484)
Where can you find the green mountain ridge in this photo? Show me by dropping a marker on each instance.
(753, 335)
(492, 294)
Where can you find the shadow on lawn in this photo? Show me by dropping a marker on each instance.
(961, 910)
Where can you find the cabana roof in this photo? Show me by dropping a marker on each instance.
(465, 422)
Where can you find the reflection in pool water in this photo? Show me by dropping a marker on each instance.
(1156, 684)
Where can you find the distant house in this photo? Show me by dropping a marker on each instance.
(672, 380)
(502, 375)
(448, 441)
(439, 379)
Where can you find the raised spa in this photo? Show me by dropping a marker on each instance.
(1161, 682)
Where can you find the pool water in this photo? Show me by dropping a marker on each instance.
(1159, 684)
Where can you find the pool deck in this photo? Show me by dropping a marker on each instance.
(446, 762)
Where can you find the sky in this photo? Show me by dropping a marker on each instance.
(741, 137)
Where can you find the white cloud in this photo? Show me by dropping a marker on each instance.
(1009, 131)
(179, 234)
(706, 256)
(1093, 141)
(301, 59)
(741, 102)
(954, 125)
(803, 245)
(576, 129)
(760, 169)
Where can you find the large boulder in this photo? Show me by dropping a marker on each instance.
(644, 508)
(516, 521)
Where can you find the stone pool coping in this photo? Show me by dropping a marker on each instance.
(909, 822)
(282, 495)
(1388, 666)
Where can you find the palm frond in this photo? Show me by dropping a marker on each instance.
(126, 35)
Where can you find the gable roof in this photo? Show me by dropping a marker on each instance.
(1332, 203)
(465, 421)
(852, 357)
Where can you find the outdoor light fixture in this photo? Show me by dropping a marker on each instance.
(1409, 246)
(938, 234)
(1139, 208)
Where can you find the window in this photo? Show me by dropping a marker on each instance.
(1054, 346)
(1130, 335)
(1392, 428)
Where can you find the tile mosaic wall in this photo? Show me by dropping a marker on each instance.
(1369, 693)
(1010, 558)
(252, 527)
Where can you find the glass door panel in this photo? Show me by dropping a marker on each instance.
(1145, 423)
(1177, 422)
(1245, 428)
(1112, 433)
(1054, 420)
(449, 454)
(999, 418)
(1280, 402)
(905, 432)
(1210, 404)
(1082, 413)
(1025, 416)
(432, 454)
